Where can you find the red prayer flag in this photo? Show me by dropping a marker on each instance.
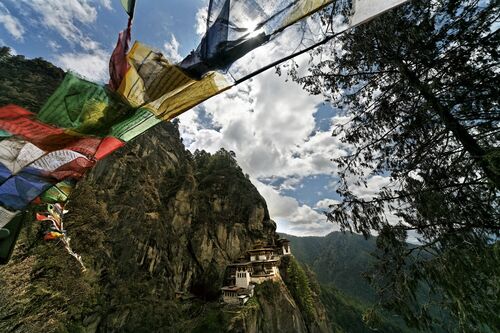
(41, 217)
(53, 235)
(21, 122)
(74, 169)
(118, 64)
(108, 145)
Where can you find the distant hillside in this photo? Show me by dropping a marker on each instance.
(338, 259)
(346, 315)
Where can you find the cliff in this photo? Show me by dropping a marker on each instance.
(151, 222)
(156, 227)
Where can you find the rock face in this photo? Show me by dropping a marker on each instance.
(275, 311)
(152, 222)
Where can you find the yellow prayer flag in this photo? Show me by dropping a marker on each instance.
(303, 9)
(152, 82)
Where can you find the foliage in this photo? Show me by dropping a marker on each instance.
(27, 82)
(347, 315)
(338, 259)
(221, 175)
(419, 86)
(213, 320)
(299, 285)
(135, 221)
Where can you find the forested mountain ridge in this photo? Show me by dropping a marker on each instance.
(338, 259)
(338, 262)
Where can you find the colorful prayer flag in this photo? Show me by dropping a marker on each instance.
(129, 6)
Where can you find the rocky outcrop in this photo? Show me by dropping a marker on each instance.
(151, 222)
(272, 310)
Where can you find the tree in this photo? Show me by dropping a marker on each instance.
(420, 89)
(4, 52)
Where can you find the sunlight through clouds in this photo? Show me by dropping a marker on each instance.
(277, 130)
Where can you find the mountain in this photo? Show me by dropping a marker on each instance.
(27, 82)
(338, 259)
(338, 262)
(156, 227)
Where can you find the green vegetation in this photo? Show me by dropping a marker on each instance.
(419, 87)
(220, 177)
(340, 260)
(27, 82)
(213, 319)
(299, 285)
(348, 315)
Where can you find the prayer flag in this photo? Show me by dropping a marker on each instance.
(129, 6)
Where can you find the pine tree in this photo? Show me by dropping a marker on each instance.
(420, 87)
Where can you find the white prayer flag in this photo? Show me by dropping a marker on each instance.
(364, 10)
(6, 216)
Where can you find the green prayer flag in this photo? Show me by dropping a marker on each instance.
(129, 6)
(4, 134)
(135, 125)
(84, 107)
(58, 193)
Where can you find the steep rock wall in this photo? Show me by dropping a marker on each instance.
(151, 222)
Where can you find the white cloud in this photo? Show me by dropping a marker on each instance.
(11, 23)
(201, 19)
(373, 185)
(326, 203)
(54, 45)
(64, 16)
(291, 216)
(269, 123)
(172, 49)
(93, 66)
(107, 4)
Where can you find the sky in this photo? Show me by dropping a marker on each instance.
(281, 135)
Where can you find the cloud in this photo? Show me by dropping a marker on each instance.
(64, 16)
(326, 203)
(93, 66)
(107, 4)
(54, 45)
(172, 49)
(269, 123)
(373, 185)
(10, 23)
(291, 216)
(201, 19)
